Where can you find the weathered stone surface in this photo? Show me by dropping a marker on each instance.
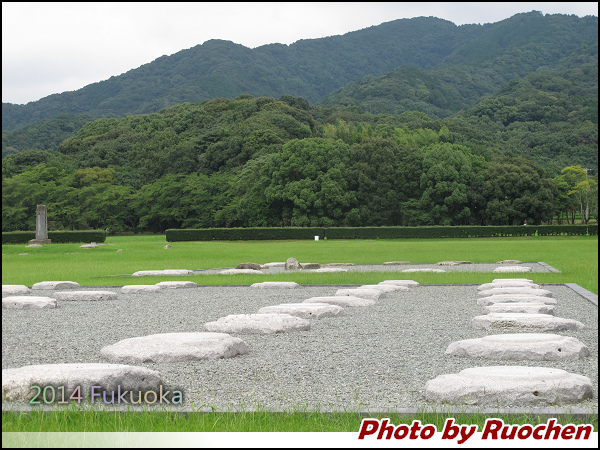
(167, 246)
(292, 264)
(521, 346)
(88, 246)
(139, 288)
(274, 264)
(515, 298)
(502, 280)
(50, 285)
(338, 265)
(424, 270)
(275, 285)
(396, 263)
(85, 296)
(258, 324)
(510, 261)
(373, 294)
(248, 265)
(512, 269)
(28, 302)
(329, 269)
(409, 283)
(176, 284)
(453, 263)
(304, 310)
(34, 246)
(514, 290)
(240, 271)
(523, 284)
(159, 273)
(16, 382)
(526, 308)
(15, 289)
(341, 300)
(523, 322)
(308, 266)
(386, 287)
(500, 386)
(175, 347)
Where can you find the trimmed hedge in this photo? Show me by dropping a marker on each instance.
(243, 234)
(249, 234)
(56, 237)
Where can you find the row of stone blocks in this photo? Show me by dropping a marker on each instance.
(515, 385)
(176, 347)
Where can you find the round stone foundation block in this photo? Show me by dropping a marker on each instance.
(175, 347)
(386, 287)
(139, 288)
(275, 285)
(521, 347)
(16, 382)
(520, 284)
(15, 289)
(516, 322)
(515, 298)
(372, 294)
(514, 290)
(304, 310)
(51, 285)
(510, 280)
(512, 269)
(86, 296)
(342, 300)
(176, 284)
(28, 302)
(527, 308)
(258, 324)
(409, 283)
(508, 386)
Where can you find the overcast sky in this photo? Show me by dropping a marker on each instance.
(49, 48)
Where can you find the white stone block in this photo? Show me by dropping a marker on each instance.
(16, 382)
(516, 322)
(341, 300)
(15, 289)
(139, 289)
(304, 310)
(512, 269)
(258, 324)
(424, 270)
(509, 280)
(521, 346)
(50, 285)
(175, 347)
(176, 284)
(527, 308)
(503, 386)
(409, 283)
(162, 273)
(85, 296)
(275, 285)
(515, 298)
(329, 270)
(373, 294)
(514, 290)
(28, 302)
(505, 284)
(386, 287)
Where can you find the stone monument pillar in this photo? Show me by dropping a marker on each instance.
(41, 226)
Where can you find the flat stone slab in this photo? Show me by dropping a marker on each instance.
(139, 288)
(86, 296)
(160, 273)
(409, 283)
(342, 300)
(386, 287)
(396, 263)
(307, 266)
(329, 269)
(176, 284)
(512, 269)
(258, 324)
(505, 284)
(373, 294)
(50, 285)
(175, 347)
(503, 280)
(515, 298)
(240, 271)
(16, 382)
(524, 322)
(15, 289)
(274, 264)
(28, 302)
(249, 265)
(521, 346)
(526, 308)
(510, 261)
(338, 265)
(304, 310)
(509, 386)
(275, 285)
(424, 270)
(453, 263)
(514, 290)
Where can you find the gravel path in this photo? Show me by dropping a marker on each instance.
(376, 357)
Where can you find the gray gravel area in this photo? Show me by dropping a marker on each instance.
(371, 358)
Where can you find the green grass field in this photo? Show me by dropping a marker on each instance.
(576, 257)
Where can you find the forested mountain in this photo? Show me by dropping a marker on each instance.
(490, 54)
